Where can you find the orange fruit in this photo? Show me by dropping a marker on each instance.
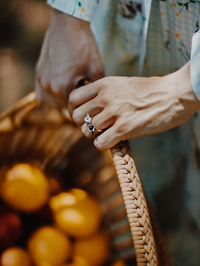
(15, 256)
(49, 246)
(76, 213)
(24, 187)
(92, 251)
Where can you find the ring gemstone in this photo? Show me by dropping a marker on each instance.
(88, 119)
(91, 129)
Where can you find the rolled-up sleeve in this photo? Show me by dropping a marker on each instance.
(82, 9)
(195, 63)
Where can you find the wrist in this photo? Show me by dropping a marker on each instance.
(184, 91)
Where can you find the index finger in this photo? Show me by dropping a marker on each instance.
(81, 95)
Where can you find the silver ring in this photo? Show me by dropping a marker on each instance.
(91, 128)
(88, 119)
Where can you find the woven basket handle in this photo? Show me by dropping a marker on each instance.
(136, 206)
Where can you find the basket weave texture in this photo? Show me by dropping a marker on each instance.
(30, 130)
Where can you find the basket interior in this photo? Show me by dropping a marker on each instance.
(31, 131)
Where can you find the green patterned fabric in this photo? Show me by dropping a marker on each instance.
(152, 38)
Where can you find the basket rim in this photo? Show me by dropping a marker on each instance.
(18, 105)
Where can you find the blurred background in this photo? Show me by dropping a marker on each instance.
(164, 161)
(22, 26)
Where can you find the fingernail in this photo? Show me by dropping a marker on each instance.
(96, 142)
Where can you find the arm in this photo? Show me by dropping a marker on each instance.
(127, 108)
(69, 55)
(195, 63)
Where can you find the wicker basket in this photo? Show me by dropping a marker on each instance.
(30, 130)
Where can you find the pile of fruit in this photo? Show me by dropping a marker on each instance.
(43, 225)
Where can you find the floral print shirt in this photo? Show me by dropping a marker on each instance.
(139, 29)
(148, 38)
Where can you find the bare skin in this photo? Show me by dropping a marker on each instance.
(69, 55)
(122, 107)
(126, 108)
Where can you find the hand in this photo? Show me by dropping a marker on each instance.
(69, 55)
(126, 108)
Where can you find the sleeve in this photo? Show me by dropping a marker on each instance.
(82, 9)
(195, 63)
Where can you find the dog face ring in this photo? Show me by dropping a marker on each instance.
(91, 128)
(88, 121)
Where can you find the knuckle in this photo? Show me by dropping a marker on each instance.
(100, 72)
(58, 88)
(45, 84)
(105, 98)
(102, 84)
(97, 73)
(122, 128)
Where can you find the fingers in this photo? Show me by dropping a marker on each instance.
(107, 139)
(60, 70)
(99, 125)
(104, 119)
(53, 89)
(90, 108)
(60, 66)
(81, 95)
(102, 123)
(43, 72)
(88, 134)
